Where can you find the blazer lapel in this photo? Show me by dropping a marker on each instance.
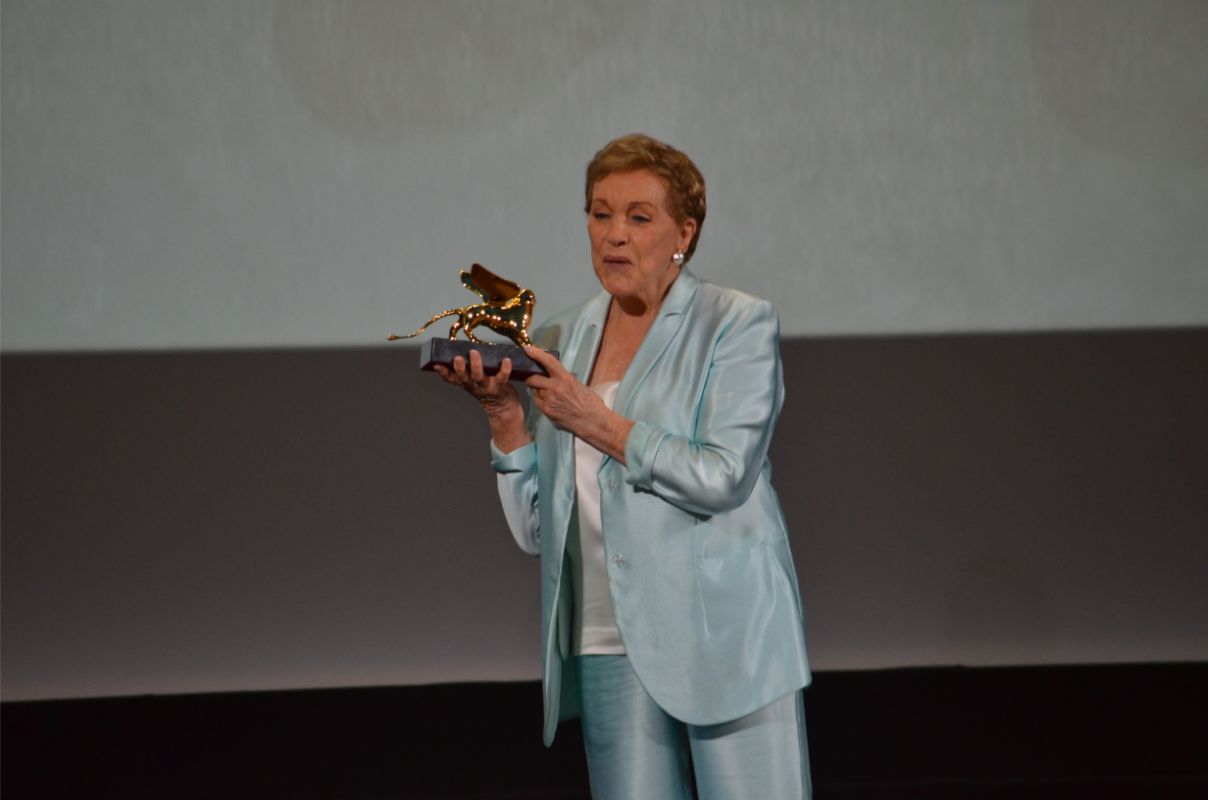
(587, 336)
(582, 345)
(670, 319)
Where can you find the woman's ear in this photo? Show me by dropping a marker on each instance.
(687, 231)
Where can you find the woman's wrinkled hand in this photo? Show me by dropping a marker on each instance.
(575, 408)
(494, 393)
(561, 397)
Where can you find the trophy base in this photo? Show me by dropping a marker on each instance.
(443, 351)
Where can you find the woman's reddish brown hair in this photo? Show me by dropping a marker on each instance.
(637, 151)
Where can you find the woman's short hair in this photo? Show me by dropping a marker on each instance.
(685, 184)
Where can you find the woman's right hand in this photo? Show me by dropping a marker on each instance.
(492, 392)
(497, 396)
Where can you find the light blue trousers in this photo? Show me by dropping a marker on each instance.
(636, 751)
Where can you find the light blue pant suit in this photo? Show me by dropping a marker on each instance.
(703, 585)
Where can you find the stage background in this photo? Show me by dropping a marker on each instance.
(250, 173)
(981, 223)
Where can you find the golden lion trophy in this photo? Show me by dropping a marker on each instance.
(506, 308)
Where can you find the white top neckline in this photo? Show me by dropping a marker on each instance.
(595, 627)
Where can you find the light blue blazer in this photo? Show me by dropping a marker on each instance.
(703, 585)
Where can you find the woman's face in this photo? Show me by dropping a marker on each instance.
(633, 236)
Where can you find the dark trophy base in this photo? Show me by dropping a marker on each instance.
(443, 351)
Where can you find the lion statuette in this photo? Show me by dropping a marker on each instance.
(506, 308)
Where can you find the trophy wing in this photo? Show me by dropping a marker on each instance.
(488, 285)
(467, 280)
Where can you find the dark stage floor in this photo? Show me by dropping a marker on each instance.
(1112, 731)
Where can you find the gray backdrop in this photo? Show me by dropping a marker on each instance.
(252, 173)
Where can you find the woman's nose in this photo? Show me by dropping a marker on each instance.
(616, 233)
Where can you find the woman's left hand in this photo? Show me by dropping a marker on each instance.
(568, 403)
(573, 407)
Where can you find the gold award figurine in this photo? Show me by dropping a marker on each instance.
(506, 308)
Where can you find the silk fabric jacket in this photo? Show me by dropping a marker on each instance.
(702, 581)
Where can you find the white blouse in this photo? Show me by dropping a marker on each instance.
(595, 626)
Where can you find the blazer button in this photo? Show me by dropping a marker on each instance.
(612, 485)
(618, 560)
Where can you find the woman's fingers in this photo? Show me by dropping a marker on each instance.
(472, 373)
(560, 396)
(446, 374)
(476, 373)
(488, 384)
(551, 364)
(492, 391)
(558, 376)
(538, 382)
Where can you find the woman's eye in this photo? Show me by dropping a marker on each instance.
(600, 215)
(640, 218)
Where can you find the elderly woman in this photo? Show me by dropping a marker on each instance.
(671, 619)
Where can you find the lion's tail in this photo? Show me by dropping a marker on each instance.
(447, 313)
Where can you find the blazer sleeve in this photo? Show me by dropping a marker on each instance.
(715, 469)
(516, 477)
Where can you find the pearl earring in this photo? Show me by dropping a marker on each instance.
(678, 258)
